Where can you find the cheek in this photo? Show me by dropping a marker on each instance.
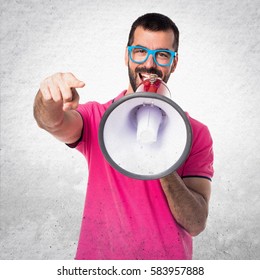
(166, 72)
(132, 67)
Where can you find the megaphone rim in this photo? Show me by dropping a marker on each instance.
(147, 95)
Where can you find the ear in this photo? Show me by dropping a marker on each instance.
(174, 65)
(126, 56)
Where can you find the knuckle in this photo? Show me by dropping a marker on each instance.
(66, 76)
(55, 77)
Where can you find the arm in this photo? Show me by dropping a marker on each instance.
(55, 104)
(188, 200)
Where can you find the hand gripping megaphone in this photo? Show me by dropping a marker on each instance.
(145, 135)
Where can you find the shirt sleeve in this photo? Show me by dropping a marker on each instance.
(83, 110)
(200, 160)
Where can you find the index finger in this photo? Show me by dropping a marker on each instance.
(72, 81)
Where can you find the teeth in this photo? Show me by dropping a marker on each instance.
(144, 76)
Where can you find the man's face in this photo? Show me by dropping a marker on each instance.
(152, 40)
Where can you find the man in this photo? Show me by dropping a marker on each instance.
(125, 218)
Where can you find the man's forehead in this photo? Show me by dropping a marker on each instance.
(160, 39)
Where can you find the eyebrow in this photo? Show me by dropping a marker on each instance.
(166, 49)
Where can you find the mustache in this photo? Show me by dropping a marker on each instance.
(151, 70)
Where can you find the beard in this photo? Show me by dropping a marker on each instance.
(135, 78)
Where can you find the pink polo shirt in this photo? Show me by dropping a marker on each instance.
(126, 218)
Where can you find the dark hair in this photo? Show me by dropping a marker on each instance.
(155, 22)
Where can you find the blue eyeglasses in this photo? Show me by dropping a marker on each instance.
(161, 57)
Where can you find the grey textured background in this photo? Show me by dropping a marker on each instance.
(217, 81)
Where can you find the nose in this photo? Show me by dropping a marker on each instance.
(149, 63)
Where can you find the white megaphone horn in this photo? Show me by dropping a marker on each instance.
(145, 135)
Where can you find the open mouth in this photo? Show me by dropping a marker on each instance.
(144, 76)
(150, 76)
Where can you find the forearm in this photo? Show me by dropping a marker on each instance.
(189, 208)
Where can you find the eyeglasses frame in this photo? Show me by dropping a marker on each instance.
(153, 53)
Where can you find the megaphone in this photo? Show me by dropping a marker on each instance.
(145, 135)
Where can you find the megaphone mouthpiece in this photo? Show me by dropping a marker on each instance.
(154, 84)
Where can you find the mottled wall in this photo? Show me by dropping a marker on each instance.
(217, 81)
